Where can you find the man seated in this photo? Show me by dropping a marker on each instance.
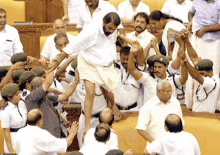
(129, 8)
(106, 116)
(175, 141)
(32, 139)
(98, 147)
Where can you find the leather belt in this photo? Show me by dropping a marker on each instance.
(94, 115)
(127, 107)
(14, 129)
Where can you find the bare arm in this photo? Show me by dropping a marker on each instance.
(191, 52)
(145, 135)
(131, 66)
(68, 92)
(7, 136)
(193, 72)
(65, 8)
(72, 132)
(48, 81)
(184, 74)
(57, 60)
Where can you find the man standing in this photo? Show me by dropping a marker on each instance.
(95, 61)
(129, 8)
(32, 139)
(177, 8)
(9, 41)
(152, 115)
(204, 17)
(175, 141)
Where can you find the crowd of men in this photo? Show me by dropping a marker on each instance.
(110, 73)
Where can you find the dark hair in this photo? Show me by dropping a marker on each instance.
(2, 10)
(118, 44)
(35, 120)
(5, 98)
(60, 36)
(112, 17)
(144, 15)
(157, 15)
(125, 50)
(110, 122)
(174, 127)
(102, 132)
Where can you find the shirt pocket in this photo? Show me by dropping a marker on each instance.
(8, 47)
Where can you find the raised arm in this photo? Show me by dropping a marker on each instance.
(68, 92)
(193, 72)
(184, 74)
(131, 66)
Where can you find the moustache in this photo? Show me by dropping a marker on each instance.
(138, 27)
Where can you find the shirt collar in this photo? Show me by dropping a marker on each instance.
(143, 34)
(157, 101)
(11, 105)
(5, 29)
(181, 4)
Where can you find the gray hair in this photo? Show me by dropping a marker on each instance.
(54, 24)
(161, 84)
(37, 82)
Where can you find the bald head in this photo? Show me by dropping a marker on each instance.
(34, 116)
(59, 26)
(102, 132)
(36, 82)
(174, 123)
(106, 116)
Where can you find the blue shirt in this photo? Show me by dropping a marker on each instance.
(206, 14)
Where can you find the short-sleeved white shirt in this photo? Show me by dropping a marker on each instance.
(182, 143)
(97, 148)
(125, 9)
(153, 113)
(200, 104)
(85, 18)
(49, 50)
(127, 91)
(173, 8)
(73, 10)
(144, 39)
(37, 141)
(95, 47)
(11, 118)
(10, 44)
(111, 144)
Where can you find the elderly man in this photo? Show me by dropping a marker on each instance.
(95, 61)
(51, 46)
(177, 8)
(175, 141)
(204, 17)
(9, 40)
(152, 115)
(32, 139)
(129, 8)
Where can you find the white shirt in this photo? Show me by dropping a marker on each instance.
(111, 144)
(173, 8)
(11, 118)
(181, 143)
(36, 141)
(125, 9)
(149, 85)
(97, 148)
(10, 44)
(96, 48)
(153, 113)
(85, 17)
(126, 93)
(49, 50)
(144, 39)
(200, 104)
(73, 9)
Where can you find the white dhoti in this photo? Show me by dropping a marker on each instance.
(207, 49)
(103, 76)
